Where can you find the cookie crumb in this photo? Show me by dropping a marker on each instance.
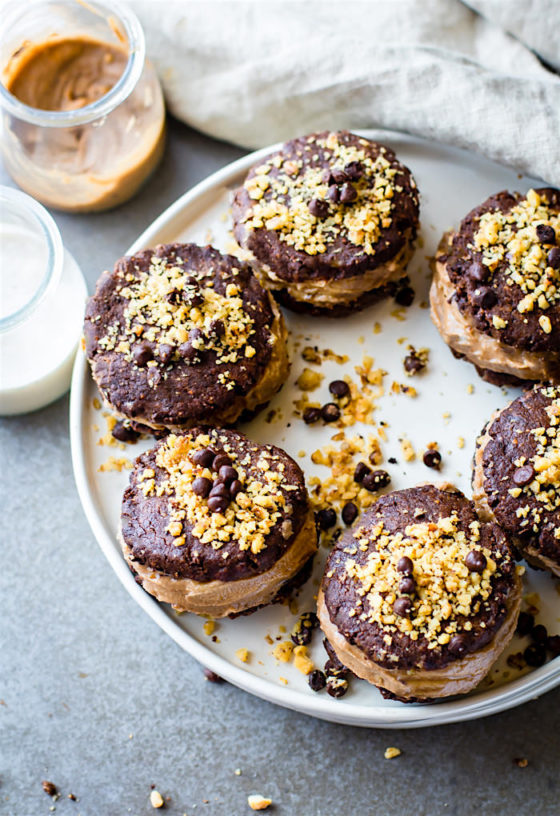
(258, 802)
(521, 762)
(49, 787)
(391, 753)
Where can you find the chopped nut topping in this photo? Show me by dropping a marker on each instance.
(156, 799)
(258, 802)
(391, 753)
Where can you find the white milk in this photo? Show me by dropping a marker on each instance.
(36, 355)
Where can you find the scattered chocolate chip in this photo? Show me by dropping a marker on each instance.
(525, 623)
(165, 352)
(354, 170)
(476, 561)
(212, 677)
(187, 351)
(235, 488)
(142, 354)
(485, 297)
(311, 415)
(553, 258)
(432, 459)
(196, 334)
(318, 207)
(348, 194)
(202, 457)
(303, 630)
(217, 504)
(220, 460)
(219, 489)
(413, 364)
(337, 176)
(124, 433)
(339, 388)
(546, 234)
(535, 655)
(392, 460)
(316, 680)
(539, 633)
(376, 480)
(553, 645)
(405, 565)
(478, 271)
(524, 475)
(49, 787)
(349, 513)
(330, 412)
(334, 193)
(458, 645)
(326, 518)
(173, 297)
(227, 473)
(360, 471)
(201, 486)
(402, 607)
(407, 585)
(405, 296)
(337, 686)
(217, 328)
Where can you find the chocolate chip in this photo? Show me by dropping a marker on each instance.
(235, 488)
(202, 457)
(354, 170)
(201, 486)
(339, 388)
(227, 473)
(217, 504)
(124, 433)
(553, 645)
(326, 518)
(212, 677)
(405, 565)
(546, 234)
(525, 623)
(413, 364)
(337, 176)
(165, 352)
(553, 258)
(302, 632)
(334, 194)
(187, 351)
(318, 207)
(407, 585)
(330, 412)
(360, 471)
(405, 296)
(478, 272)
(220, 460)
(337, 686)
(432, 459)
(458, 645)
(535, 655)
(402, 607)
(220, 489)
(316, 680)
(173, 297)
(524, 475)
(349, 513)
(485, 297)
(49, 787)
(476, 561)
(348, 194)
(376, 480)
(217, 328)
(311, 415)
(142, 354)
(539, 633)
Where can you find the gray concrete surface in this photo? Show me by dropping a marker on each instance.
(95, 698)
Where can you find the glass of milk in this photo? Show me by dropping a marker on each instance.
(42, 299)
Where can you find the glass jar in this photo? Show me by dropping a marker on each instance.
(41, 308)
(96, 155)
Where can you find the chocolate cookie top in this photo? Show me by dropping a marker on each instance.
(212, 504)
(504, 262)
(420, 582)
(521, 466)
(176, 333)
(329, 205)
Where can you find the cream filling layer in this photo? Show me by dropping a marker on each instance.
(458, 677)
(480, 498)
(485, 351)
(273, 378)
(221, 598)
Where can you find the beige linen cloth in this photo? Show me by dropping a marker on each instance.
(259, 72)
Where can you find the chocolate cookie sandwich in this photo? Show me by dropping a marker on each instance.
(516, 475)
(420, 597)
(495, 296)
(330, 220)
(216, 524)
(182, 334)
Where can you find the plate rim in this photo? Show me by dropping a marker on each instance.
(490, 701)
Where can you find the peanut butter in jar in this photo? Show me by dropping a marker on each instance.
(82, 110)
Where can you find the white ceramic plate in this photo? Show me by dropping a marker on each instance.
(451, 182)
